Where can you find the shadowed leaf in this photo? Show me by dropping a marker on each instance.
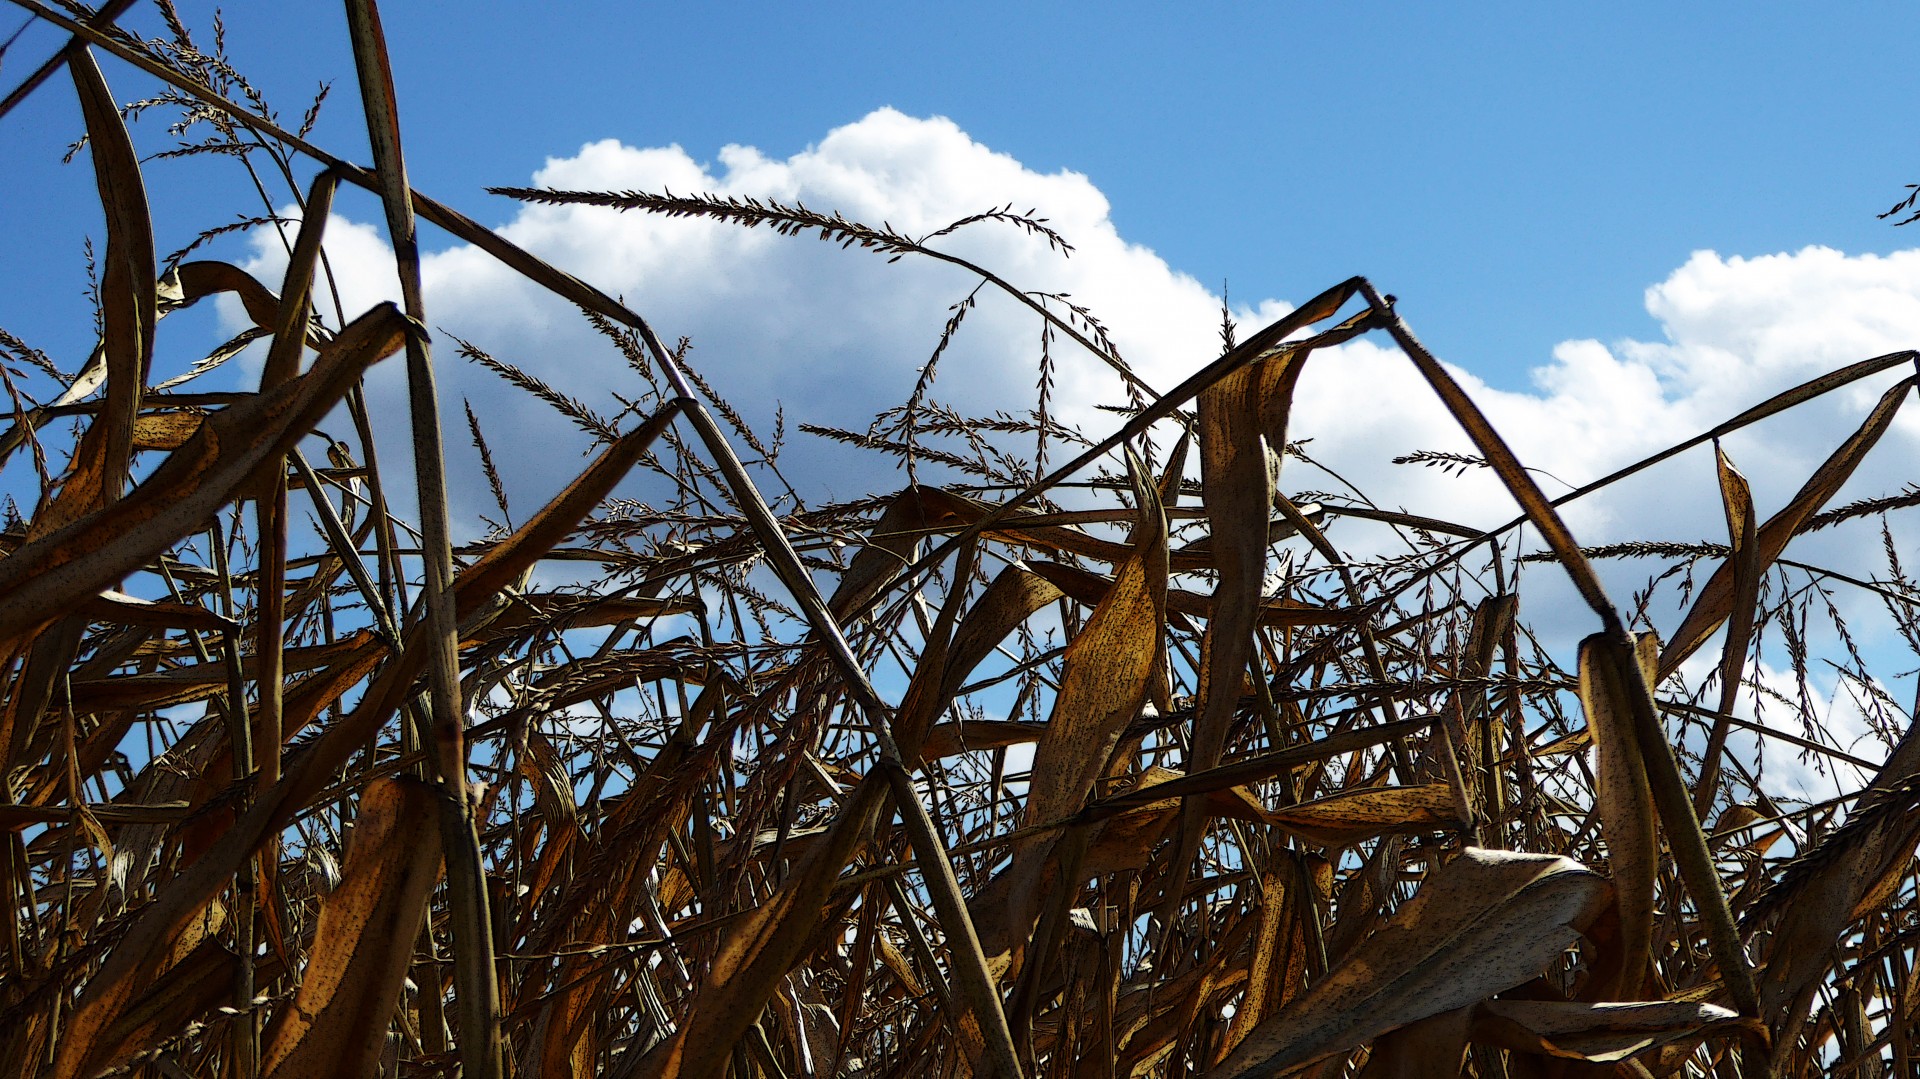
(61, 569)
(128, 301)
(1625, 805)
(1485, 922)
(1601, 1033)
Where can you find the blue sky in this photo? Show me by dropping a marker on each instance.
(1623, 225)
(1516, 173)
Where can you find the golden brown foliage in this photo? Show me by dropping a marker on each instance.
(293, 789)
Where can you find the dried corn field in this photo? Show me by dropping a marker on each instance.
(1119, 767)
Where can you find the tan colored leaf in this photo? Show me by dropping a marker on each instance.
(950, 739)
(1126, 840)
(939, 511)
(1278, 966)
(50, 575)
(166, 430)
(128, 301)
(932, 686)
(896, 964)
(291, 320)
(908, 519)
(1602, 1033)
(191, 282)
(1103, 679)
(1165, 1017)
(1341, 820)
(761, 948)
(1851, 873)
(1480, 924)
(1089, 588)
(1736, 498)
(504, 562)
(1715, 600)
(337, 1023)
(1628, 820)
(1236, 481)
(197, 982)
(563, 611)
(122, 609)
(1256, 768)
(944, 666)
(193, 681)
(1011, 599)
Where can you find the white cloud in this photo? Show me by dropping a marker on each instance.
(1834, 718)
(1837, 721)
(836, 335)
(1738, 330)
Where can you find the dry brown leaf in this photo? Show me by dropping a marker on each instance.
(60, 570)
(191, 282)
(1841, 880)
(193, 681)
(950, 739)
(1126, 840)
(942, 511)
(1088, 588)
(179, 288)
(1480, 924)
(1158, 1020)
(1624, 801)
(166, 430)
(1104, 677)
(128, 298)
(1350, 817)
(337, 1022)
(198, 981)
(125, 610)
(1257, 768)
(1714, 602)
(911, 517)
(1602, 1033)
(562, 611)
(1104, 680)
(1011, 599)
(1428, 1049)
(1237, 476)
(1736, 498)
(761, 949)
(1262, 971)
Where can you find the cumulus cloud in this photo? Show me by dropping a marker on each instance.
(1842, 712)
(833, 336)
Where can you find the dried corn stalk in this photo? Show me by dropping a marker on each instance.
(948, 780)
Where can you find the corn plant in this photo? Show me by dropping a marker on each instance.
(1120, 767)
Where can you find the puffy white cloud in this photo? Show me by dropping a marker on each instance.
(1838, 720)
(833, 335)
(1738, 330)
(1826, 709)
(836, 335)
